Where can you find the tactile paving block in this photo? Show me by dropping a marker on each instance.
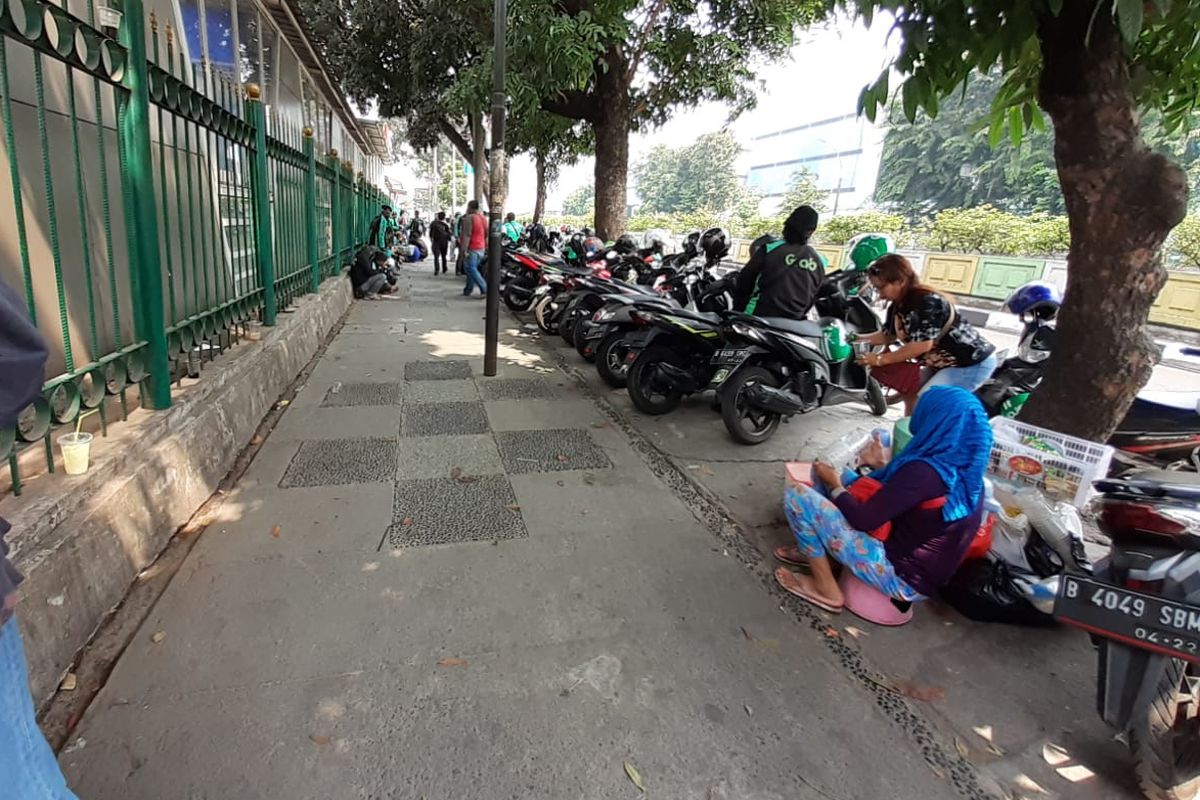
(335, 462)
(549, 451)
(515, 389)
(363, 394)
(440, 419)
(444, 511)
(436, 370)
(440, 391)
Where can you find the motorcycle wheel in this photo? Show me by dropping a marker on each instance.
(542, 316)
(516, 303)
(746, 424)
(567, 329)
(586, 352)
(610, 361)
(645, 397)
(1165, 735)
(876, 400)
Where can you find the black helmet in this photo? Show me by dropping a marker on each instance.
(691, 244)
(625, 244)
(715, 244)
(586, 231)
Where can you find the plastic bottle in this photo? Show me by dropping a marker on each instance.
(843, 453)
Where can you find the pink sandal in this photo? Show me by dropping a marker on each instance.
(790, 554)
(788, 581)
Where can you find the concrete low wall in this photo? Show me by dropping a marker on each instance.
(81, 541)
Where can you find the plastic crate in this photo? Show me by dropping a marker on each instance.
(1061, 466)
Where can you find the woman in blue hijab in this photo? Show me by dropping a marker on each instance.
(931, 498)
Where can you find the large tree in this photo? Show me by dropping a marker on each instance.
(700, 175)
(622, 65)
(580, 201)
(1090, 65)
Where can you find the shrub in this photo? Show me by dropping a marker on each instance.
(1183, 247)
(841, 229)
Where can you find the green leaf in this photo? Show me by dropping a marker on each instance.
(635, 777)
(908, 98)
(1038, 121)
(1016, 125)
(1129, 17)
(996, 130)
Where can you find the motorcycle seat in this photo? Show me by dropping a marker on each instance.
(800, 327)
(1180, 484)
(1180, 401)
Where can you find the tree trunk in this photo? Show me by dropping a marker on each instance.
(1122, 200)
(539, 205)
(611, 126)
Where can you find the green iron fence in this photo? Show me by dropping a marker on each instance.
(154, 213)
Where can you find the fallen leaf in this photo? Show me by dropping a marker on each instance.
(69, 682)
(749, 710)
(283, 403)
(563, 459)
(996, 749)
(882, 682)
(963, 752)
(832, 633)
(561, 483)
(406, 521)
(589, 479)
(599, 424)
(256, 440)
(855, 632)
(455, 473)
(513, 507)
(452, 662)
(926, 694)
(158, 637)
(936, 770)
(318, 739)
(746, 633)
(635, 776)
(706, 470)
(275, 531)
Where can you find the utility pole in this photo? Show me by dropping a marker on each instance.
(479, 145)
(491, 336)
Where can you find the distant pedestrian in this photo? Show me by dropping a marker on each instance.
(27, 763)
(459, 253)
(512, 228)
(472, 240)
(439, 236)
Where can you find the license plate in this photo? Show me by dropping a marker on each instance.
(1140, 620)
(729, 357)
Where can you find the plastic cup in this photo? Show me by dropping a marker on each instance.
(76, 449)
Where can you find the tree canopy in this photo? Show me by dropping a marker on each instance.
(802, 190)
(700, 175)
(579, 201)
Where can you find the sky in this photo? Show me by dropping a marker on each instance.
(828, 67)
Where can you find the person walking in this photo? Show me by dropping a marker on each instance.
(26, 761)
(473, 241)
(459, 253)
(439, 236)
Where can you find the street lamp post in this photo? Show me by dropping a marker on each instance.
(491, 334)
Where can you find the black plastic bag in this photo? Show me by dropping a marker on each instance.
(985, 590)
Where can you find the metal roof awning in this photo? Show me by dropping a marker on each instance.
(287, 16)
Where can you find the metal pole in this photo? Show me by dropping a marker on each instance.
(433, 185)
(478, 165)
(492, 330)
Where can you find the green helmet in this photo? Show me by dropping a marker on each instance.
(866, 247)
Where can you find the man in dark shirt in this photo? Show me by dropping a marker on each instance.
(782, 278)
(368, 274)
(439, 235)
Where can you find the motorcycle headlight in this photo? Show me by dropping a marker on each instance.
(1029, 354)
(742, 329)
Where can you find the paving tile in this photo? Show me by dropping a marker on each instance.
(442, 419)
(445, 511)
(440, 391)
(354, 393)
(437, 456)
(436, 370)
(515, 388)
(549, 451)
(339, 461)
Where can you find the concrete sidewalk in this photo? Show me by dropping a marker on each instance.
(431, 584)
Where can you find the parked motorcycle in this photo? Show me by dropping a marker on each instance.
(676, 358)
(1142, 607)
(1161, 428)
(773, 368)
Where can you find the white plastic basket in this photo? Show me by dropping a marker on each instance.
(1061, 466)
